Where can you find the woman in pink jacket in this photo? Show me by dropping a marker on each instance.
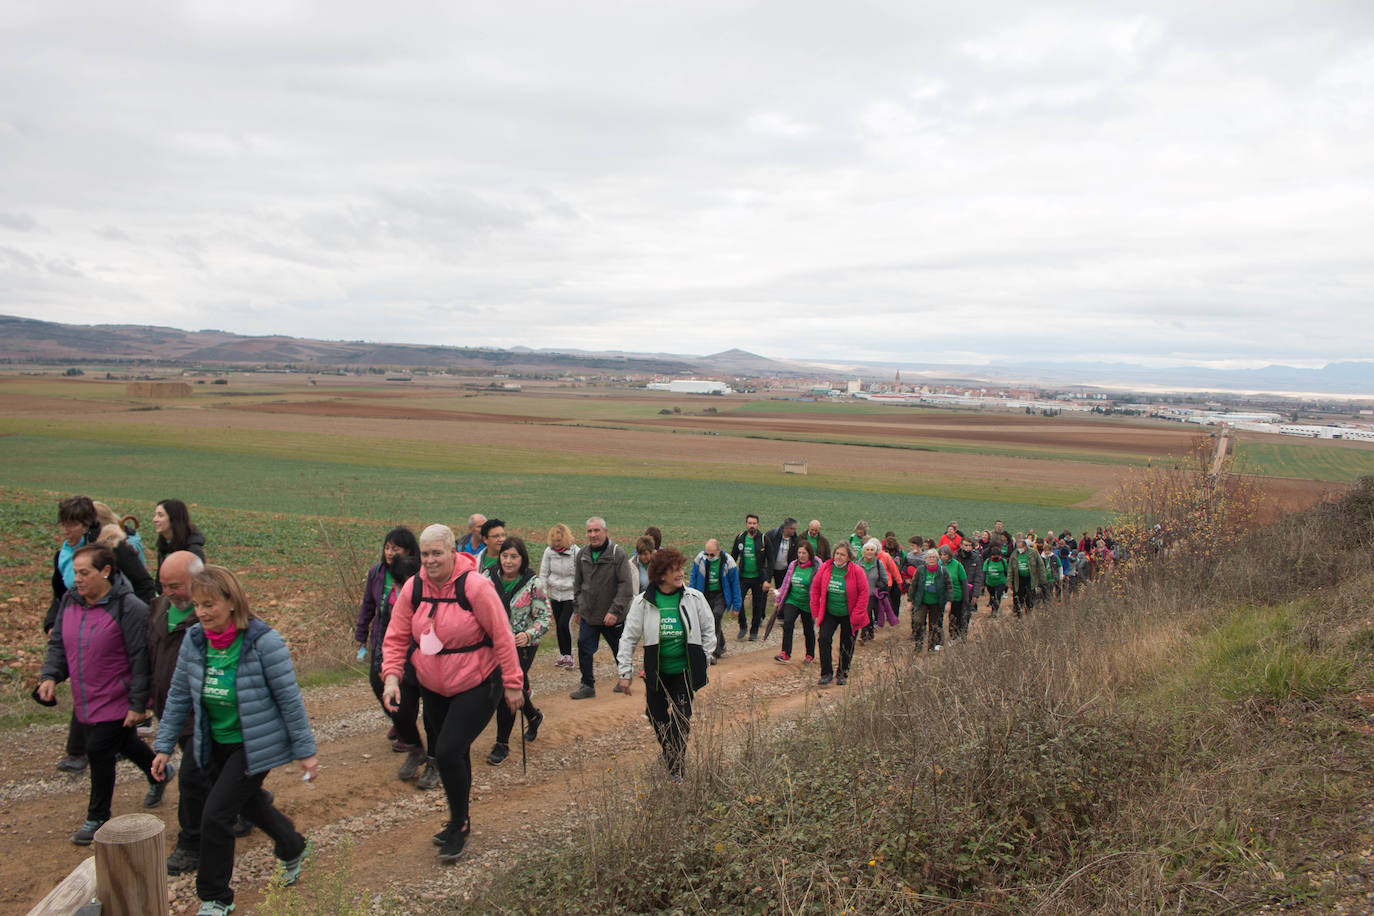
(839, 600)
(465, 661)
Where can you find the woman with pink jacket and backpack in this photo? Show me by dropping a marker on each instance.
(466, 664)
(839, 600)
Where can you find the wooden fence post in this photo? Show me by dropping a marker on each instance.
(131, 866)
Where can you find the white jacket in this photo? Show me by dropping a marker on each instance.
(556, 572)
(641, 627)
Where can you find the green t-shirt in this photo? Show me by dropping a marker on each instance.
(596, 554)
(930, 584)
(672, 636)
(836, 601)
(713, 568)
(995, 571)
(1023, 562)
(748, 559)
(488, 562)
(508, 585)
(175, 615)
(857, 543)
(799, 592)
(220, 693)
(957, 578)
(815, 546)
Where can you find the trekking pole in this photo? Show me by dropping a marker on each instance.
(522, 741)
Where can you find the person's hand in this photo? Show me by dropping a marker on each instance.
(625, 685)
(391, 694)
(515, 698)
(612, 620)
(159, 767)
(47, 691)
(133, 717)
(311, 766)
(522, 640)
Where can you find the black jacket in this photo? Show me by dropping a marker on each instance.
(771, 541)
(760, 552)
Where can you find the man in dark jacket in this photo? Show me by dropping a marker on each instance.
(80, 526)
(603, 586)
(751, 556)
(780, 547)
(170, 615)
(819, 543)
(972, 561)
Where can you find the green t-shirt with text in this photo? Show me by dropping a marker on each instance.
(672, 636)
(220, 693)
(713, 568)
(836, 601)
(799, 591)
(748, 559)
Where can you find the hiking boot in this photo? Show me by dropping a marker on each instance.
(414, 760)
(498, 755)
(86, 832)
(586, 691)
(158, 789)
(72, 763)
(532, 725)
(214, 908)
(442, 835)
(841, 679)
(742, 636)
(825, 680)
(291, 868)
(430, 777)
(782, 657)
(754, 637)
(182, 860)
(454, 844)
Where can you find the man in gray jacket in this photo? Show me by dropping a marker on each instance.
(603, 586)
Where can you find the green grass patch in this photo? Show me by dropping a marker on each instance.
(1316, 460)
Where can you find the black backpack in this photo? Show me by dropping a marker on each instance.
(460, 597)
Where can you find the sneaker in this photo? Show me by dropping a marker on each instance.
(442, 836)
(182, 860)
(560, 661)
(429, 779)
(782, 657)
(532, 725)
(617, 688)
(72, 763)
(808, 660)
(392, 735)
(214, 908)
(584, 692)
(825, 680)
(937, 647)
(841, 679)
(742, 636)
(414, 760)
(400, 747)
(498, 755)
(86, 832)
(454, 844)
(291, 868)
(156, 790)
(753, 637)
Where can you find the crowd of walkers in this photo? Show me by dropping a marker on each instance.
(451, 625)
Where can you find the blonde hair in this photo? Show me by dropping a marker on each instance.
(560, 537)
(111, 535)
(217, 582)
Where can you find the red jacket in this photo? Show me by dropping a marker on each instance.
(452, 674)
(855, 592)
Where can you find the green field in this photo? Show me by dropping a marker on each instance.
(1334, 461)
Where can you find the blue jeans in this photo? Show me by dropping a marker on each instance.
(588, 639)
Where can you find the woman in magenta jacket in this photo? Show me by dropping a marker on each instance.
(839, 600)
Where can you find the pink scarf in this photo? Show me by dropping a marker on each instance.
(224, 638)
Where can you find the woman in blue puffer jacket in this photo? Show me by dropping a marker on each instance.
(234, 675)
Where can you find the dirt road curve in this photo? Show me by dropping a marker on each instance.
(386, 822)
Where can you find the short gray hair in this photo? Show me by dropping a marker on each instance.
(438, 534)
(874, 543)
(597, 520)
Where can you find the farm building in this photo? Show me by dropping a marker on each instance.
(691, 386)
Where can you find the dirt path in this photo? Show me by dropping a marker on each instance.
(387, 823)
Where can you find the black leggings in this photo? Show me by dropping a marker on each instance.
(829, 623)
(562, 624)
(405, 717)
(456, 722)
(103, 741)
(790, 614)
(505, 719)
(234, 791)
(669, 703)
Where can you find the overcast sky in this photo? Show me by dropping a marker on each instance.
(1173, 181)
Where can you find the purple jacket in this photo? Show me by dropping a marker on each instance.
(103, 649)
(372, 603)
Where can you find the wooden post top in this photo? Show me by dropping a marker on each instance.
(129, 828)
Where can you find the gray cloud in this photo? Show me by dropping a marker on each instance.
(795, 178)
